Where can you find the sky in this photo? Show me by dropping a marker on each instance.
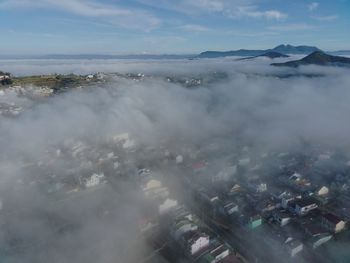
(169, 26)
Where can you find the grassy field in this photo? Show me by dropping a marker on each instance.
(52, 81)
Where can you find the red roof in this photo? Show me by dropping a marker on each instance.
(332, 218)
(199, 165)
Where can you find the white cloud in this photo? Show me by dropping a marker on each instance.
(228, 8)
(325, 18)
(313, 6)
(291, 27)
(110, 13)
(194, 28)
(210, 5)
(252, 11)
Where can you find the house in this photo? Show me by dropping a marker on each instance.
(287, 198)
(179, 159)
(151, 184)
(267, 205)
(298, 181)
(303, 206)
(94, 180)
(319, 240)
(154, 189)
(124, 141)
(230, 207)
(199, 167)
(168, 205)
(294, 247)
(5, 78)
(333, 223)
(158, 193)
(252, 220)
(322, 191)
(318, 235)
(236, 188)
(255, 221)
(216, 254)
(181, 212)
(282, 217)
(257, 186)
(195, 241)
(208, 196)
(181, 227)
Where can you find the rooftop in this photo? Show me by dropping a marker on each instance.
(332, 218)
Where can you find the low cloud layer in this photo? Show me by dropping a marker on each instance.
(249, 103)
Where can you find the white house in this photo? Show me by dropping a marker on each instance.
(303, 206)
(168, 205)
(124, 140)
(179, 159)
(282, 218)
(182, 227)
(195, 242)
(151, 184)
(218, 253)
(323, 191)
(294, 247)
(94, 180)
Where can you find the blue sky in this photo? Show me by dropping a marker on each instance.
(169, 26)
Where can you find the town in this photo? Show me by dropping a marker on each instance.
(222, 201)
(237, 207)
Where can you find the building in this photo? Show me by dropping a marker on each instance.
(257, 186)
(282, 218)
(318, 235)
(319, 240)
(151, 184)
(287, 198)
(181, 227)
(216, 254)
(230, 207)
(322, 191)
(94, 180)
(168, 205)
(303, 206)
(294, 247)
(195, 241)
(255, 221)
(153, 189)
(5, 78)
(333, 223)
(236, 188)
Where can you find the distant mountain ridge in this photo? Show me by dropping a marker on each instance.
(270, 54)
(101, 56)
(316, 58)
(283, 49)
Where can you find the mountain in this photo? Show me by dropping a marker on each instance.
(289, 49)
(270, 54)
(101, 56)
(233, 53)
(316, 58)
(273, 54)
(283, 49)
(340, 53)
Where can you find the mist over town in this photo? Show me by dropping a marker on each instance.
(188, 131)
